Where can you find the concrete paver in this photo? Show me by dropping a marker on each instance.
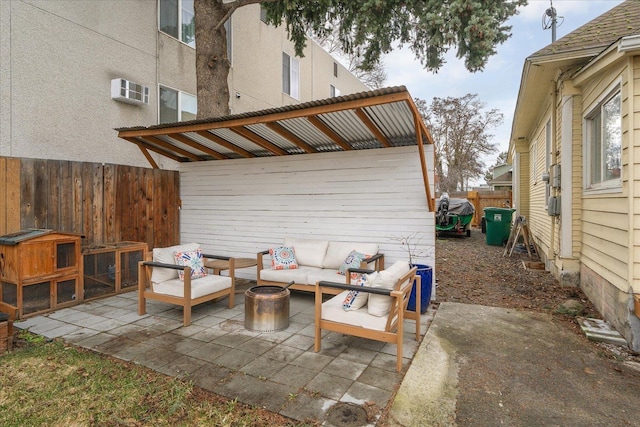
(278, 370)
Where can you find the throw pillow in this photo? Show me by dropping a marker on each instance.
(356, 299)
(353, 260)
(283, 258)
(191, 259)
(380, 305)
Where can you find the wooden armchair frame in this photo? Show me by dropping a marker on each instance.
(393, 331)
(145, 288)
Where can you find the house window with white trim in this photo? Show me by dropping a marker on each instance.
(290, 76)
(176, 106)
(334, 91)
(603, 130)
(177, 19)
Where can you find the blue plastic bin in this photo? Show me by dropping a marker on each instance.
(426, 279)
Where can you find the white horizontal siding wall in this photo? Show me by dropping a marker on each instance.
(241, 207)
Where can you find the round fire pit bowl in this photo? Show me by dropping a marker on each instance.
(266, 308)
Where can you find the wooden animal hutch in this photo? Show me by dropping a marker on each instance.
(111, 268)
(40, 270)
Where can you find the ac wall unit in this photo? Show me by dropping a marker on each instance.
(132, 93)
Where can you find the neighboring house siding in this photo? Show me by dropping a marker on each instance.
(600, 190)
(576, 174)
(241, 207)
(605, 215)
(523, 183)
(634, 205)
(539, 221)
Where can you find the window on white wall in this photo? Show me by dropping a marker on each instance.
(176, 106)
(177, 19)
(290, 76)
(263, 13)
(603, 130)
(334, 91)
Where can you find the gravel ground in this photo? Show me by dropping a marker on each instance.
(470, 271)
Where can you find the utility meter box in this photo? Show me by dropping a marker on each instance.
(553, 206)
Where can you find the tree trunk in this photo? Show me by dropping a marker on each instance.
(212, 62)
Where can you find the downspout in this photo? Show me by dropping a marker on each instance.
(554, 159)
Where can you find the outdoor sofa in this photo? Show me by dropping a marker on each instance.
(308, 261)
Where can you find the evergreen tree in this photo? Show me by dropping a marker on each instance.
(367, 28)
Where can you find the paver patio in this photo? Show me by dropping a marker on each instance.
(278, 370)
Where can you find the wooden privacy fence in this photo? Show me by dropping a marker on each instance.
(102, 202)
(484, 199)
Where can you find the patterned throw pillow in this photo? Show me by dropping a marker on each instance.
(356, 299)
(283, 258)
(353, 260)
(191, 259)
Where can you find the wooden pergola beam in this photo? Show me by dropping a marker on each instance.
(419, 129)
(258, 140)
(169, 146)
(273, 117)
(283, 132)
(226, 144)
(319, 124)
(194, 144)
(362, 115)
(144, 147)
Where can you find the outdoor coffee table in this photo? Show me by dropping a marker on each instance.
(218, 265)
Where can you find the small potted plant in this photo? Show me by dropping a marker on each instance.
(411, 244)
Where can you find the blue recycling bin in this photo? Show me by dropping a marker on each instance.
(426, 279)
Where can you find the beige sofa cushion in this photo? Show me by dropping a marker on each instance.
(167, 256)
(309, 252)
(337, 252)
(298, 275)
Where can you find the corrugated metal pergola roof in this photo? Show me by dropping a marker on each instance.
(375, 119)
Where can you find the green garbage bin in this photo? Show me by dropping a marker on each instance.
(498, 223)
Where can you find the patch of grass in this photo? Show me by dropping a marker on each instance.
(49, 383)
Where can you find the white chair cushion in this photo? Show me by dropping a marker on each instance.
(167, 256)
(199, 287)
(332, 310)
(380, 305)
(309, 252)
(337, 252)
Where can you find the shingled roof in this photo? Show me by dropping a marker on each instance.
(572, 52)
(598, 34)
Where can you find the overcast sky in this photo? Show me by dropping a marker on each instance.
(497, 86)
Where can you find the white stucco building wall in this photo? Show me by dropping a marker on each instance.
(59, 57)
